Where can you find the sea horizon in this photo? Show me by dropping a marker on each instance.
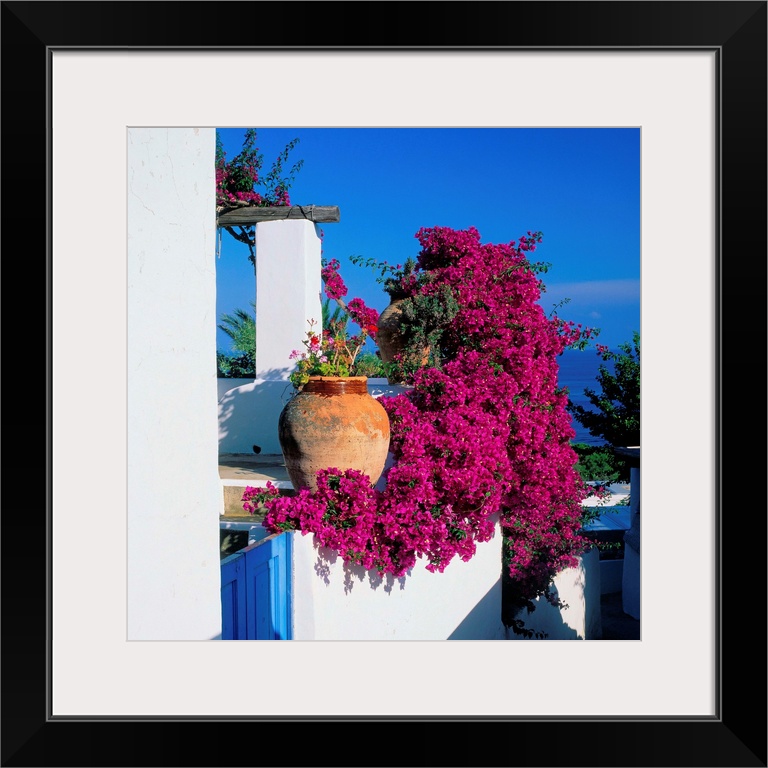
(578, 371)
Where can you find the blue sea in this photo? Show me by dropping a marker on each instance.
(578, 370)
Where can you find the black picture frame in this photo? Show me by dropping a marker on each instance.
(737, 735)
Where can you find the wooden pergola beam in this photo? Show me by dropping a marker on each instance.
(247, 215)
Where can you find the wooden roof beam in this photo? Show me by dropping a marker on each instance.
(251, 214)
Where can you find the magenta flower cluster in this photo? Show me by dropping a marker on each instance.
(366, 317)
(333, 351)
(483, 438)
(334, 284)
(237, 179)
(335, 289)
(229, 186)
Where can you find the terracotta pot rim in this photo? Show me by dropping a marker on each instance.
(338, 378)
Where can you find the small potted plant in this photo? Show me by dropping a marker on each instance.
(333, 421)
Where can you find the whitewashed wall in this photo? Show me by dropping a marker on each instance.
(224, 385)
(332, 601)
(287, 286)
(174, 494)
(580, 589)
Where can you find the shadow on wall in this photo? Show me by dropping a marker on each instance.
(327, 558)
(485, 614)
(224, 385)
(578, 587)
(546, 621)
(248, 414)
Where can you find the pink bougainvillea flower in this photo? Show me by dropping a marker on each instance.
(484, 437)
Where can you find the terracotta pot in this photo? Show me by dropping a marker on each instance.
(389, 339)
(333, 422)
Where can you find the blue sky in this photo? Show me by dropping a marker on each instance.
(579, 186)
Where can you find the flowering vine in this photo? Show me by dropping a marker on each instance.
(333, 351)
(334, 285)
(237, 179)
(482, 436)
(238, 182)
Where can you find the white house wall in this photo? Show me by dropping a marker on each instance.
(579, 588)
(332, 601)
(174, 494)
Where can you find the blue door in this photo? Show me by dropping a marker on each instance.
(256, 591)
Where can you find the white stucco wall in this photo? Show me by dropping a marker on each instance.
(580, 589)
(288, 286)
(174, 494)
(332, 601)
(224, 385)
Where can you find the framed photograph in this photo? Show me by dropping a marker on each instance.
(692, 77)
